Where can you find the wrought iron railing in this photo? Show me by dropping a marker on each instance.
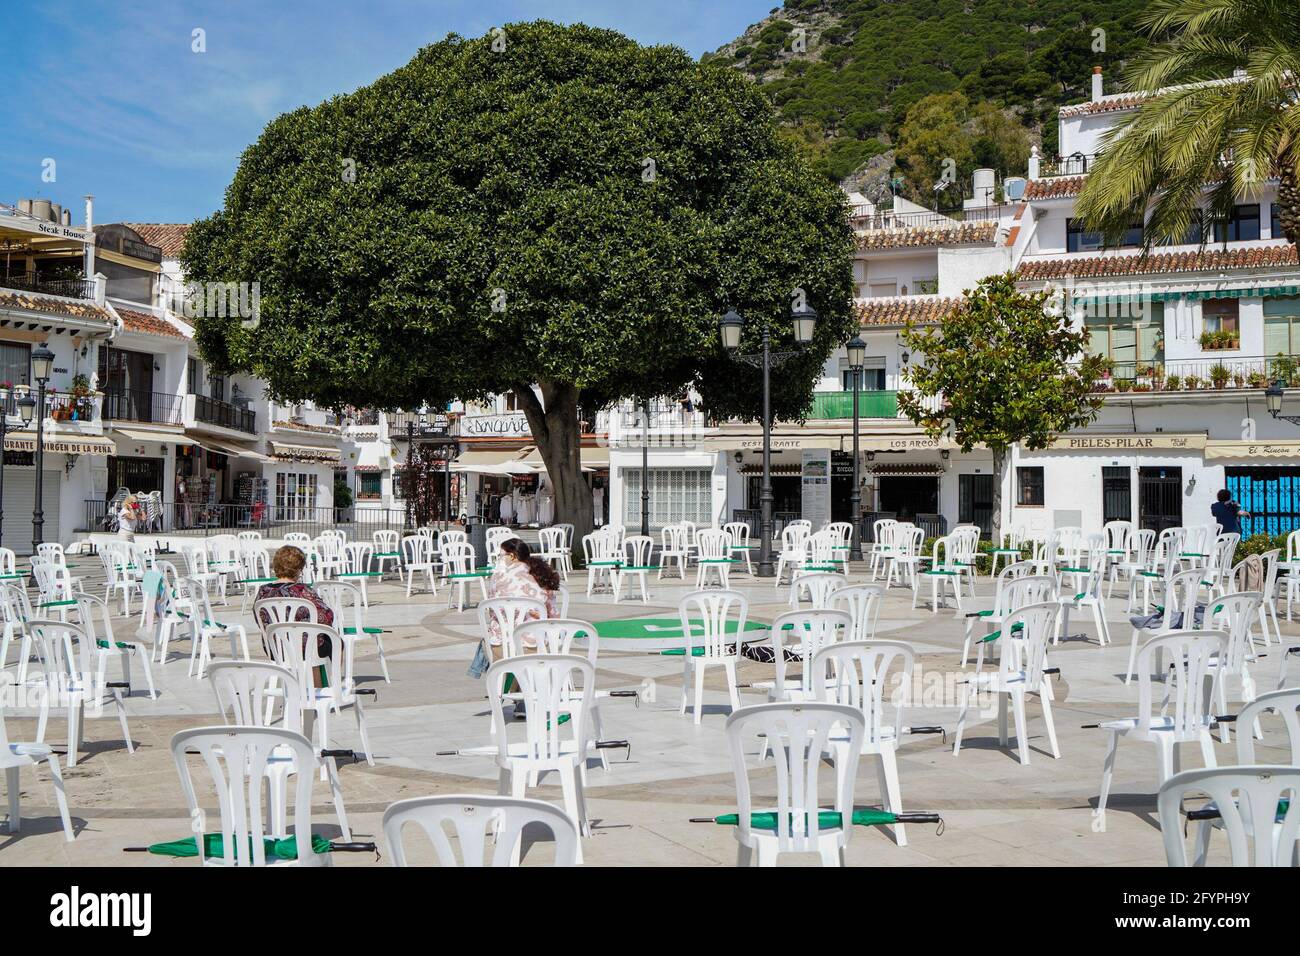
(1076, 164)
(71, 288)
(1205, 372)
(212, 411)
(873, 218)
(139, 405)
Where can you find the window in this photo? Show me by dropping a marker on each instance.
(873, 376)
(193, 373)
(1030, 490)
(370, 484)
(676, 494)
(883, 289)
(1219, 315)
(1282, 325)
(217, 386)
(1241, 226)
(1124, 341)
(1078, 239)
(16, 363)
(295, 496)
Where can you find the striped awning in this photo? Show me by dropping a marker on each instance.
(1244, 291)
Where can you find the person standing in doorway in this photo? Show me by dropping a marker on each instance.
(1228, 513)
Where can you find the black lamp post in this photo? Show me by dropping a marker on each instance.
(445, 451)
(730, 327)
(645, 470)
(857, 351)
(42, 366)
(1273, 397)
(4, 431)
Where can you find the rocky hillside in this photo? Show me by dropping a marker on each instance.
(845, 74)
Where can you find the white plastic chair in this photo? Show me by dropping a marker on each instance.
(471, 818)
(553, 550)
(738, 532)
(238, 760)
(1140, 549)
(712, 612)
(1243, 796)
(295, 645)
(713, 548)
(1020, 672)
(69, 678)
(248, 693)
(862, 601)
(942, 570)
(106, 647)
(387, 545)
(603, 558)
(636, 563)
(672, 539)
(820, 586)
(417, 558)
(459, 572)
(204, 626)
(507, 614)
(806, 632)
(1181, 593)
(546, 683)
(793, 554)
(904, 556)
(14, 756)
(798, 735)
(1008, 549)
(882, 531)
(1233, 614)
(1187, 687)
(1089, 595)
(349, 607)
(863, 674)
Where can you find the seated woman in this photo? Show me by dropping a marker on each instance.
(518, 574)
(287, 565)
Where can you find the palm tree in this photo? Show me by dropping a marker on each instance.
(1226, 117)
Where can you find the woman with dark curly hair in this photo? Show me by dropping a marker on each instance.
(518, 574)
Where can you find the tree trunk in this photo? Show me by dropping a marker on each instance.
(1288, 201)
(999, 460)
(554, 426)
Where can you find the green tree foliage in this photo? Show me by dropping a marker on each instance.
(546, 205)
(1170, 155)
(880, 57)
(1002, 363)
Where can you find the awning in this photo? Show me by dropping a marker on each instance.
(488, 462)
(1244, 291)
(78, 445)
(280, 451)
(141, 434)
(236, 450)
(1252, 449)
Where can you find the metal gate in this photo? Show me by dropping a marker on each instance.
(975, 501)
(1271, 495)
(1116, 493)
(1160, 498)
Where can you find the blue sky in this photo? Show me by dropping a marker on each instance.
(111, 91)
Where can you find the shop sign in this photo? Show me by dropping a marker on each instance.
(495, 426)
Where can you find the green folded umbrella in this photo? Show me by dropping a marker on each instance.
(283, 849)
(826, 819)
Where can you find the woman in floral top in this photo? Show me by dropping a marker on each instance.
(518, 574)
(287, 565)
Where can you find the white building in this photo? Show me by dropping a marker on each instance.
(133, 405)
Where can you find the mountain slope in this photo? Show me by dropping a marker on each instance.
(844, 73)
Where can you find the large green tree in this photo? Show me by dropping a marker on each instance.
(544, 206)
(1204, 142)
(1009, 368)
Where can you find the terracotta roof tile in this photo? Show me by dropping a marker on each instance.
(1109, 104)
(54, 305)
(147, 324)
(167, 236)
(963, 232)
(890, 311)
(1196, 260)
(1054, 188)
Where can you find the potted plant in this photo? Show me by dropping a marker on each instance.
(1192, 382)
(1219, 340)
(1238, 380)
(80, 392)
(1173, 383)
(1258, 380)
(1284, 368)
(1123, 384)
(1219, 375)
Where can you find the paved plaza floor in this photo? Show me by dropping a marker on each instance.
(996, 811)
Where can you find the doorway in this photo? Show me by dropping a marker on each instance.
(1160, 498)
(841, 486)
(1116, 493)
(908, 495)
(1271, 495)
(975, 502)
(137, 474)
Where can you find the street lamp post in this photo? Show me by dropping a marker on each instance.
(42, 366)
(857, 352)
(645, 470)
(730, 327)
(1273, 398)
(4, 431)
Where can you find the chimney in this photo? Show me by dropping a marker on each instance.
(88, 266)
(101, 288)
(1096, 84)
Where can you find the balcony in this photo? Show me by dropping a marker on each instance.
(872, 218)
(211, 411)
(1198, 374)
(59, 406)
(137, 405)
(1076, 164)
(34, 282)
(871, 404)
